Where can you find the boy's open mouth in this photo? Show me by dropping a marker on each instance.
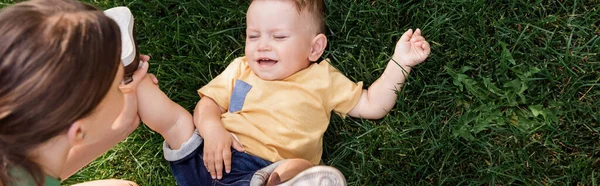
(266, 62)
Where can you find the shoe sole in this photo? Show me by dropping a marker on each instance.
(317, 176)
(129, 49)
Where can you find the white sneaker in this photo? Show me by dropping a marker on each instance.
(129, 54)
(317, 176)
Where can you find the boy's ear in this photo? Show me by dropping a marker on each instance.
(319, 43)
(76, 133)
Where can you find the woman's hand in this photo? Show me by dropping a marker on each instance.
(126, 122)
(129, 120)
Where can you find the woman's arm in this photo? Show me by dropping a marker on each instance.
(126, 122)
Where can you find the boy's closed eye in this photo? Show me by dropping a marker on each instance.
(280, 37)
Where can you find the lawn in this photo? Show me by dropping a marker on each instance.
(509, 95)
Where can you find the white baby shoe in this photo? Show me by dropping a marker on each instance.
(129, 50)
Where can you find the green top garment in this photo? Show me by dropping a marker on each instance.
(22, 178)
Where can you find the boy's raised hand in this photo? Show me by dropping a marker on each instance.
(411, 49)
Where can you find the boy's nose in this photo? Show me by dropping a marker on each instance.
(263, 45)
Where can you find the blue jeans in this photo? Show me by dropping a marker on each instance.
(188, 168)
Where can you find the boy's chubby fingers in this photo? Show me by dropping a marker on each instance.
(426, 48)
(423, 48)
(418, 44)
(406, 36)
(218, 165)
(417, 38)
(210, 164)
(417, 32)
(227, 160)
(205, 159)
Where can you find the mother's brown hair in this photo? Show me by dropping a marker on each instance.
(58, 59)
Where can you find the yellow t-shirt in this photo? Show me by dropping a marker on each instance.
(282, 119)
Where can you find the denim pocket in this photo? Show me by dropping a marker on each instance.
(238, 96)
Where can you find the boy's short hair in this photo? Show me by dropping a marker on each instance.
(316, 8)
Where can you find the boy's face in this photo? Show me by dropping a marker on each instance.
(278, 39)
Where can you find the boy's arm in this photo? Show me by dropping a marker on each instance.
(378, 100)
(207, 115)
(163, 115)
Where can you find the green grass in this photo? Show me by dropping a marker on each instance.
(510, 94)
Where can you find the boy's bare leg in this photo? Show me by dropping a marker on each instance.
(163, 115)
(287, 170)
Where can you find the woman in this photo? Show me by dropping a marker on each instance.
(61, 100)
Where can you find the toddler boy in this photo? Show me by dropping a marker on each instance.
(273, 105)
